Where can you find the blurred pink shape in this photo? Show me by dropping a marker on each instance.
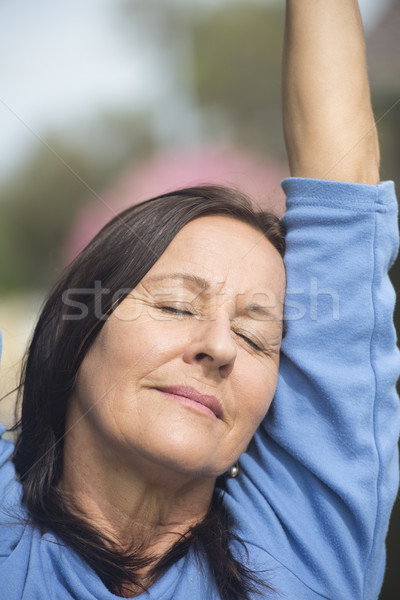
(259, 178)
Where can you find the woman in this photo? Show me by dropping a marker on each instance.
(155, 361)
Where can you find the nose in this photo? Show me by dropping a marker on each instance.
(212, 345)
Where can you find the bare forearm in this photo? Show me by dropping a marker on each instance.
(328, 121)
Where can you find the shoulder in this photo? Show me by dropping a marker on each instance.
(12, 515)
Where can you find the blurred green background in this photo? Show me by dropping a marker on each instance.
(212, 71)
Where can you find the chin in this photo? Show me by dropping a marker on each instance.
(185, 458)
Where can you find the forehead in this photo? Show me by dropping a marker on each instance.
(221, 252)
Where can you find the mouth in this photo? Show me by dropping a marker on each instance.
(188, 396)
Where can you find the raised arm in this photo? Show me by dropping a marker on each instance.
(322, 471)
(327, 116)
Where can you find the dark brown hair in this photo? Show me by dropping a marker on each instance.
(118, 257)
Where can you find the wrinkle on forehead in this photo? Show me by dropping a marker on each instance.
(219, 256)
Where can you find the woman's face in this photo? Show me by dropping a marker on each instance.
(185, 369)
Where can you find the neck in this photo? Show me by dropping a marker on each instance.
(133, 501)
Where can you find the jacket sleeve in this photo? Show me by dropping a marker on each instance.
(11, 526)
(328, 446)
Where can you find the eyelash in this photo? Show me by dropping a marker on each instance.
(175, 310)
(251, 342)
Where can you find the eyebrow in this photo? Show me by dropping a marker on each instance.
(195, 280)
(264, 312)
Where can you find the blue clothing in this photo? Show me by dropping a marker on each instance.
(317, 484)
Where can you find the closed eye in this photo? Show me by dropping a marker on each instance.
(175, 310)
(251, 342)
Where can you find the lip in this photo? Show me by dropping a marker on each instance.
(183, 392)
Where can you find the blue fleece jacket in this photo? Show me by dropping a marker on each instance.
(317, 484)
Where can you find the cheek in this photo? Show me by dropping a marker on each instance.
(152, 337)
(254, 399)
(122, 356)
(259, 408)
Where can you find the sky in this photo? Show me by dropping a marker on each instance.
(63, 61)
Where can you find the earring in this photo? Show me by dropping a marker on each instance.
(234, 470)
